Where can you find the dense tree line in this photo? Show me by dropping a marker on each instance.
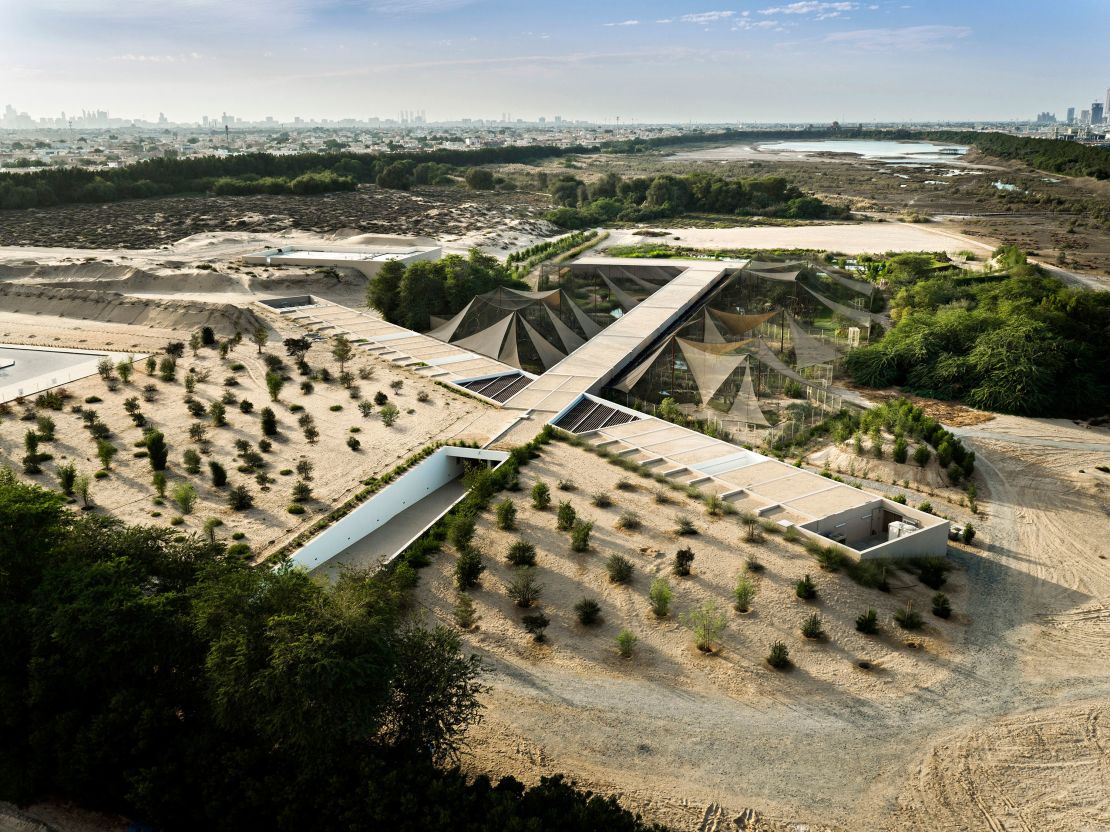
(645, 198)
(152, 674)
(410, 296)
(165, 176)
(1016, 342)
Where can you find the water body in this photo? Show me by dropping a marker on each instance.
(876, 149)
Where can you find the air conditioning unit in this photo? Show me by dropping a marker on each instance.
(899, 529)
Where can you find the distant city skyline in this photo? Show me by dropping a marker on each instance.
(770, 61)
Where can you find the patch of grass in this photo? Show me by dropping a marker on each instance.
(601, 500)
(684, 525)
(629, 521)
(908, 618)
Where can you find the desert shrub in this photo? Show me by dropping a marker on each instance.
(565, 516)
(921, 455)
(663, 497)
(67, 476)
(422, 396)
(660, 595)
(45, 427)
(335, 408)
(752, 564)
(460, 531)
(523, 588)
(464, 612)
(536, 623)
(779, 657)
(901, 450)
(812, 627)
(743, 594)
(566, 485)
(629, 521)
(588, 612)
(926, 507)
(302, 491)
(167, 369)
(238, 550)
(218, 472)
(933, 572)
(217, 412)
(506, 515)
(522, 553)
(683, 559)
(155, 444)
(908, 618)
(684, 525)
(389, 413)
(295, 508)
(626, 642)
(942, 607)
(105, 452)
(191, 460)
(239, 498)
(791, 534)
(624, 484)
(868, 622)
(707, 622)
(304, 469)
(353, 443)
(468, 568)
(580, 535)
(601, 500)
(184, 497)
(714, 505)
(806, 589)
(311, 434)
(968, 533)
(619, 569)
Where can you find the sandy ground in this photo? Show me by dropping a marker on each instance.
(847, 239)
(127, 493)
(996, 720)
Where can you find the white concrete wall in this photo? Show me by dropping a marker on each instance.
(424, 478)
(928, 542)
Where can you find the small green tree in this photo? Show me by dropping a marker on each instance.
(743, 594)
(158, 452)
(626, 642)
(184, 497)
(660, 596)
(580, 535)
(274, 383)
(707, 622)
(67, 476)
(506, 515)
(565, 517)
(302, 492)
(105, 452)
(468, 569)
(268, 422)
(217, 412)
(158, 479)
(942, 607)
(389, 413)
(167, 369)
(45, 428)
(218, 472)
(123, 369)
(922, 454)
(464, 612)
(908, 618)
(239, 498)
(342, 350)
(82, 487)
(541, 495)
(259, 336)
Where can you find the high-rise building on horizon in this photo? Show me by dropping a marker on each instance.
(1096, 112)
(1071, 115)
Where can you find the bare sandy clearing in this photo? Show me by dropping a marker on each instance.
(849, 239)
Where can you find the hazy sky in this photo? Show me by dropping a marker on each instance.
(642, 61)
